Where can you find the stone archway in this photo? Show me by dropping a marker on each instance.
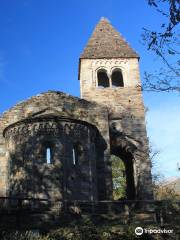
(127, 159)
(124, 147)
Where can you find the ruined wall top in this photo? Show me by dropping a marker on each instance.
(52, 103)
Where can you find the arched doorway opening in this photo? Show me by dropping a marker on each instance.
(123, 176)
(118, 178)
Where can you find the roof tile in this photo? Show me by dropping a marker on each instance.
(106, 42)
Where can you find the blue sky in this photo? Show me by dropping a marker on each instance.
(40, 43)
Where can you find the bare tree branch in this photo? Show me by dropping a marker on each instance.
(165, 44)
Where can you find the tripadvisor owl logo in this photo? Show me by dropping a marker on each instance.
(139, 231)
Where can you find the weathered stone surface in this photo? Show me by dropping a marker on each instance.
(60, 121)
(80, 134)
(126, 114)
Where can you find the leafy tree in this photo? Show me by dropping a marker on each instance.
(164, 42)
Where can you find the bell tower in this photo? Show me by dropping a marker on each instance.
(109, 75)
(108, 67)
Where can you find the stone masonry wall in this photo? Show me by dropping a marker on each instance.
(54, 104)
(125, 107)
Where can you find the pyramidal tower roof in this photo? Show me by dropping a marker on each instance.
(106, 42)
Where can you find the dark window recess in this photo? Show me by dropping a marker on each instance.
(103, 80)
(117, 78)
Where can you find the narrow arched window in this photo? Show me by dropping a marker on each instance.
(48, 155)
(102, 78)
(117, 78)
(75, 157)
(76, 153)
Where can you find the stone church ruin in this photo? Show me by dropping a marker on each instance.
(57, 147)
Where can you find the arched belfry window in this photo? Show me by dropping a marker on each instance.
(48, 155)
(102, 78)
(117, 78)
